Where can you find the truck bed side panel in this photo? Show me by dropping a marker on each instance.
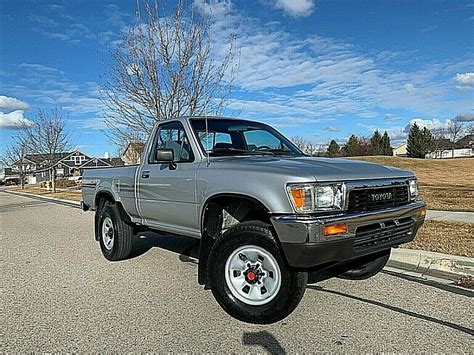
(119, 182)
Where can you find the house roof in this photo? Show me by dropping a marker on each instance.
(465, 142)
(94, 161)
(39, 158)
(444, 143)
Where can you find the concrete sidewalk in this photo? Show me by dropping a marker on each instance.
(60, 201)
(449, 216)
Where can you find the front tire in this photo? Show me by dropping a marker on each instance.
(115, 236)
(249, 278)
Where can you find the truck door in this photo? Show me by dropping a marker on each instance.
(167, 192)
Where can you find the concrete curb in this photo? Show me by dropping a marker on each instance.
(60, 201)
(451, 267)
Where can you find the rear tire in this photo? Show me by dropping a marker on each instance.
(115, 236)
(366, 267)
(249, 278)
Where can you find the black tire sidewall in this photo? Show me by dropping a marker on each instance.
(276, 309)
(120, 250)
(108, 254)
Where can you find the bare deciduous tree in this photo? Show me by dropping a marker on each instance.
(453, 130)
(164, 69)
(438, 134)
(14, 156)
(305, 145)
(48, 138)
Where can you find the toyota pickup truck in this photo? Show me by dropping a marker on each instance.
(265, 213)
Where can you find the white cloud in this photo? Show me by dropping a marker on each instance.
(213, 7)
(465, 81)
(13, 120)
(49, 86)
(296, 8)
(464, 117)
(331, 129)
(409, 88)
(432, 125)
(62, 27)
(392, 117)
(12, 104)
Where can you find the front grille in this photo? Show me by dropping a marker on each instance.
(383, 233)
(361, 200)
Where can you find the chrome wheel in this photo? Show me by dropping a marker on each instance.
(252, 275)
(108, 233)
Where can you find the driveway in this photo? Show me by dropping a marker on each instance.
(60, 294)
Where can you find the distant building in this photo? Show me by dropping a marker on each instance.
(2, 171)
(38, 169)
(463, 148)
(133, 153)
(465, 142)
(400, 151)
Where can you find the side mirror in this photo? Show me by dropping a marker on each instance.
(164, 155)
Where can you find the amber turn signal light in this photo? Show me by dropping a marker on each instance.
(335, 229)
(298, 197)
(422, 213)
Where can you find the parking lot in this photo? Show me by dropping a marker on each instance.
(60, 294)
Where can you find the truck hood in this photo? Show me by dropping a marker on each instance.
(321, 169)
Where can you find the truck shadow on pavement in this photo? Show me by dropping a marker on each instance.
(265, 340)
(396, 309)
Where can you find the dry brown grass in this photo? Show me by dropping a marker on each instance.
(65, 195)
(445, 184)
(445, 237)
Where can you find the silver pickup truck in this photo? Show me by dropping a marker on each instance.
(265, 213)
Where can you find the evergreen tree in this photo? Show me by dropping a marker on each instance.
(420, 142)
(376, 143)
(428, 141)
(352, 147)
(414, 142)
(386, 148)
(333, 149)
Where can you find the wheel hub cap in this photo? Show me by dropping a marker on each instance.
(108, 233)
(253, 275)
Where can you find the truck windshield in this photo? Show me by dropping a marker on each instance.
(239, 137)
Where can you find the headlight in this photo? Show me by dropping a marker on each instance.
(307, 198)
(414, 190)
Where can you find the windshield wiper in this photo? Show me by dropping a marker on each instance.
(235, 151)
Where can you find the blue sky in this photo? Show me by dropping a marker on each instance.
(318, 69)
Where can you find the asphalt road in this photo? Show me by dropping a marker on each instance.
(59, 294)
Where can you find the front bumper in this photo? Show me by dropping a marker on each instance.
(305, 246)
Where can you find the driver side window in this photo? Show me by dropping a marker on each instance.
(172, 136)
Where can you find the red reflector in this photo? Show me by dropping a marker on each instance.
(335, 229)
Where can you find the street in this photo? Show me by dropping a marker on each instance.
(60, 294)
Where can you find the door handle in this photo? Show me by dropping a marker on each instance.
(145, 174)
